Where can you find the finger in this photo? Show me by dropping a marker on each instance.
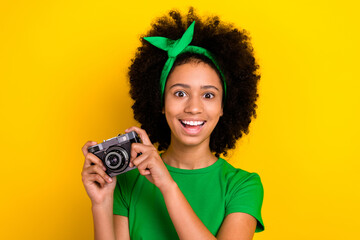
(144, 167)
(138, 149)
(137, 160)
(144, 172)
(92, 177)
(96, 178)
(142, 134)
(86, 146)
(96, 169)
(91, 159)
(131, 164)
(134, 151)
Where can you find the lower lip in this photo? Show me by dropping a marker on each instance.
(192, 130)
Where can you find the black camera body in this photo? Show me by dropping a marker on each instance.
(115, 153)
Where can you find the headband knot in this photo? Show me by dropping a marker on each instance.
(176, 47)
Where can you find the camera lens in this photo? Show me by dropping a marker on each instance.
(113, 160)
(116, 159)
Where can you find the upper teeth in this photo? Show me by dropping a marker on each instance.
(193, 123)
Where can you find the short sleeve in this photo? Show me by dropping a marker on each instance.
(247, 196)
(121, 206)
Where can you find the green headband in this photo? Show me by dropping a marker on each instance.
(174, 48)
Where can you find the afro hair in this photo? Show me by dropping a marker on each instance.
(234, 54)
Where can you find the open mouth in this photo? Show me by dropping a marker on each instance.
(192, 124)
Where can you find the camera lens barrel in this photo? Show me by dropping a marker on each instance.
(116, 159)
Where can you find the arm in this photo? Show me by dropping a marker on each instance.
(237, 225)
(100, 189)
(108, 225)
(121, 227)
(103, 220)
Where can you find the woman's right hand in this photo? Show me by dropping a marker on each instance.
(98, 185)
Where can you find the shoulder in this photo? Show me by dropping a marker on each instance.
(239, 182)
(238, 175)
(244, 193)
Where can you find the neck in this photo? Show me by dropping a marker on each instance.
(189, 157)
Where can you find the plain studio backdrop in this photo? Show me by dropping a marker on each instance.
(63, 73)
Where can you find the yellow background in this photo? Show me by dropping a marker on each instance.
(63, 79)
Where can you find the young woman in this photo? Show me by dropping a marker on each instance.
(194, 85)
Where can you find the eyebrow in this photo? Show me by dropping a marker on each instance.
(188, 86)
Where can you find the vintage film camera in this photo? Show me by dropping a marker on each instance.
(115, 153)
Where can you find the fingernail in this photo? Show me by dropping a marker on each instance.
(104, 168)
(110, 179)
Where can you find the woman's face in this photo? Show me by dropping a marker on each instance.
(193, 103)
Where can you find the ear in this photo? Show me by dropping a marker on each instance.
(222, 112)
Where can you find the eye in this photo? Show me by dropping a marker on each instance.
(180, 94)
(209, 95)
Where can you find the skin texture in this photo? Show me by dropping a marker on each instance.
(193, 92)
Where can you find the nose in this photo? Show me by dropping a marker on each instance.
(194, 105)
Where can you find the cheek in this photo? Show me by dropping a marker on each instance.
(171, 111)
(215, 110)
(172, 105)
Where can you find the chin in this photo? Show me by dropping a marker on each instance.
(191, 141)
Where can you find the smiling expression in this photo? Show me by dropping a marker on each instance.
(193, 103)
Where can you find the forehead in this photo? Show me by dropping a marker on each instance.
(194, 74)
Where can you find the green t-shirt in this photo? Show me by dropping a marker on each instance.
(213, 193)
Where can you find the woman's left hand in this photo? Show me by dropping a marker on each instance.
(149, 163)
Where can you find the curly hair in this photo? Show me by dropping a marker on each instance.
(234, 54)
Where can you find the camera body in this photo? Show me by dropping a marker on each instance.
(115, 153)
